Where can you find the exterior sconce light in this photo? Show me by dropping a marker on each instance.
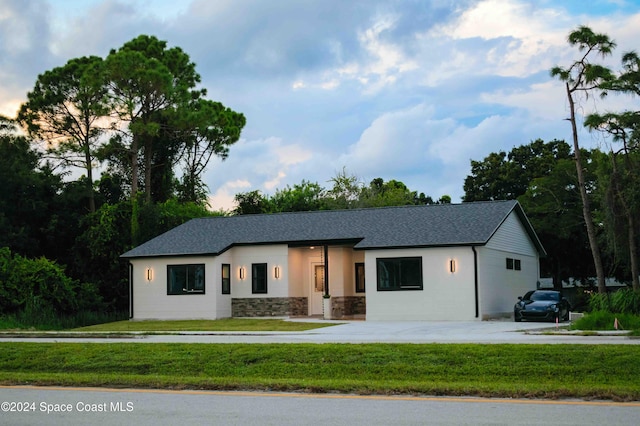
(242, 273)
(452, 265)
(148, 273)
(276, 272)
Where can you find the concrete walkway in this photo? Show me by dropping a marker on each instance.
(374, 332)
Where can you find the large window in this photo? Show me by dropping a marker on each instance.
(258, 278)
(226, 278)
(399, 273)
(185, 279)
(359, 277)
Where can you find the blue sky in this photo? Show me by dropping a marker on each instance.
(408, 90)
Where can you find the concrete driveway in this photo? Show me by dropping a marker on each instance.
(376, 332)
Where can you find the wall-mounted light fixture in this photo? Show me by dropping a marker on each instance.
(452, 265)
(276, 272)
(242, 273)
(148, 273)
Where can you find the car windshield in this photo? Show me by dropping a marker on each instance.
(545, 295)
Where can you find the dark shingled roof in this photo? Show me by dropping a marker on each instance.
(387, 227)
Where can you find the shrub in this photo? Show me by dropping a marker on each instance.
(623, 301)
(604, 320)
(40, 286)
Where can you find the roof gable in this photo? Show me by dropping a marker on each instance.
(406, 226)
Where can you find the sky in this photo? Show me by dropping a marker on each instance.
(410, 90)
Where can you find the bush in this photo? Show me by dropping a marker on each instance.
(604, 320)
(40, 287)
(623, 301)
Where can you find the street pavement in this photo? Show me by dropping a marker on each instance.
(500, 331)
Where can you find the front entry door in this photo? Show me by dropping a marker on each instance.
(317, 289)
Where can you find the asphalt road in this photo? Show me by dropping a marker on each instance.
(77, 406)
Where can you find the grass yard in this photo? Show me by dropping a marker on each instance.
(536, 371)
(229, 324)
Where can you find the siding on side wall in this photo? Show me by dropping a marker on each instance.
(512, 237)
(499, 286)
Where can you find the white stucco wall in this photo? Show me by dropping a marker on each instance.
(445, 295)
(150, 298)
(499, 286)
(274, 256)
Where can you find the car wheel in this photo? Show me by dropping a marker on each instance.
(516, 318)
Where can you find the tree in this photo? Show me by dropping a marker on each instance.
(489, 179)
(252, 202)
(583, 77)
(305, 196)
(622, 194)
(392, 193)
(345, 192)
(147, 80)
(502, 176)
(554, 207)
(209, 129)
(619, 173)
(28, 194)
(64, 109)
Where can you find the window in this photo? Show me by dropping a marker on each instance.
(359, 277)
(399, 273)
(226, 278)
(509, 263)
(514, 264)
(258, 278)
(185, 279)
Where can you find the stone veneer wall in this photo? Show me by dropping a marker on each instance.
(348, 306)
(269, 307)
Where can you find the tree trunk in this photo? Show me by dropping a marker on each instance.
(586, 207)
(87, 159)
(147, 167)
(633, 251)
(134, 191)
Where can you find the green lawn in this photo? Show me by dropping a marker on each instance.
(537, 371)
(230, 324)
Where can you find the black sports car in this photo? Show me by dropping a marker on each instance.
(544, 305)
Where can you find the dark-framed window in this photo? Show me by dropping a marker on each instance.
(399, 273)
(514, 264)
(226, 278)
(258, 278)
(360, 278)
(185, 279)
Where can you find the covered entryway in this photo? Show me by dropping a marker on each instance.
(334, 268)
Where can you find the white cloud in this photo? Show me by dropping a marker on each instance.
(223, 198)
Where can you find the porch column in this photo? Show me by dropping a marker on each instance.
(326, 270)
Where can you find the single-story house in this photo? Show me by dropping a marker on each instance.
(466, 261)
